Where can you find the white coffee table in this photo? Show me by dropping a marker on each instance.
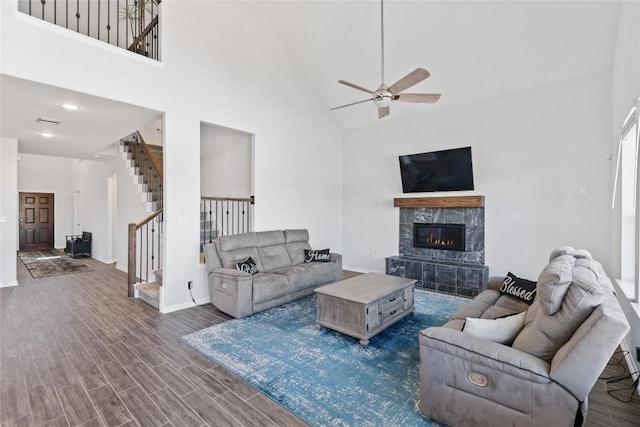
(365, 305)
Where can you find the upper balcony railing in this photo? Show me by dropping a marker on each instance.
(129, 24)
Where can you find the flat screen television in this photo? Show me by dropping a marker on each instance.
(446, 170)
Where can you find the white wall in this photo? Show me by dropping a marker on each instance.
(152, 133)
(225, 162)
(531, 152)
(44, 174)
(625, 91)
(251, 84)
(90, 179)
(8, 211)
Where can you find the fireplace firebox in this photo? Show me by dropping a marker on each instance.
(439, 236)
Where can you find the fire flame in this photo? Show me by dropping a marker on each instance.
(436, 241)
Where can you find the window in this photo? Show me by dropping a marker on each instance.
(627, 176)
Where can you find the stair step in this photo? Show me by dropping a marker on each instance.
(158, 274)
(150, 293)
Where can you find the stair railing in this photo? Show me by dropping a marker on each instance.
(118, 22)
(144, 249)
(224, 215)
(147, 42)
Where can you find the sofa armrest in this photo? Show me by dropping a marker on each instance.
(495, 282)
(337, 259)
(469, 381)
(486, 353)
(229, 272)
(231, 291)
(580, 361)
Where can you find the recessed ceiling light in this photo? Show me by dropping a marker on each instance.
(46, 134)
(71, 107)
(97, 156)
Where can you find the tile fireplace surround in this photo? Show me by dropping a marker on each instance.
(454, 272)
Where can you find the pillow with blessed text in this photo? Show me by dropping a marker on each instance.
(316, 255)
(517, 287)
(248, 265)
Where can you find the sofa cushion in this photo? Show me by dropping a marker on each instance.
(502, 330)
(230, 258)
(296, 241)
(504, 306)
(293, 236)
(269, 238)
(234, 248)
(269, 286)
(296, 251)
(273, 257)
(237, 241)
(495, 312)
(568, 291)
(309, 274)
(478, 305)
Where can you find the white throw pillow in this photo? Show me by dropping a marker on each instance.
(502, 330)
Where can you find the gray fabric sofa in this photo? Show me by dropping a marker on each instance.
(283, 275)
(544, 377)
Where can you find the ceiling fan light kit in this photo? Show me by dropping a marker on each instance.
(384, 96)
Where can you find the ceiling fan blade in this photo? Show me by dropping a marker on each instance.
(418, 97)
(346, 83)
(413, 78)
(349, 105)
(383, 112)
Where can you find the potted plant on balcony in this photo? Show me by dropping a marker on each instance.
(136, 14)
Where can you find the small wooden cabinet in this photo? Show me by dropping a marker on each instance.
(365, 305)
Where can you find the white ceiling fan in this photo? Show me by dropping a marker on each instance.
(384, 95)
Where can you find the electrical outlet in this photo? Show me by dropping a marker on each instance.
(189, 283)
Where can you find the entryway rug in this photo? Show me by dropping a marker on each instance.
(51, 262)
(323, 376)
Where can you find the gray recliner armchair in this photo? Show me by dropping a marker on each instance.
(542, 379)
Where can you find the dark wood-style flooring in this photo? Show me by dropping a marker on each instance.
(74, 350)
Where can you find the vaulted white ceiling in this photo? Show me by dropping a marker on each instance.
(474, 50)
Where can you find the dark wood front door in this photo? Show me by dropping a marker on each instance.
(36, 221)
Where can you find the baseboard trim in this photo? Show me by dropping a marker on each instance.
(102, 260)
(359, 270)
(182, 306)
(9, 284)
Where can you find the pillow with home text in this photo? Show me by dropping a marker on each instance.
(317, 255)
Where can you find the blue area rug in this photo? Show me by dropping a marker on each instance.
(324, 377)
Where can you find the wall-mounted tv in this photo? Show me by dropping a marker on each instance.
(446, 170)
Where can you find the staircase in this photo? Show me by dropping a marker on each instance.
(149, 292)
(146, 239)
(144, 162)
